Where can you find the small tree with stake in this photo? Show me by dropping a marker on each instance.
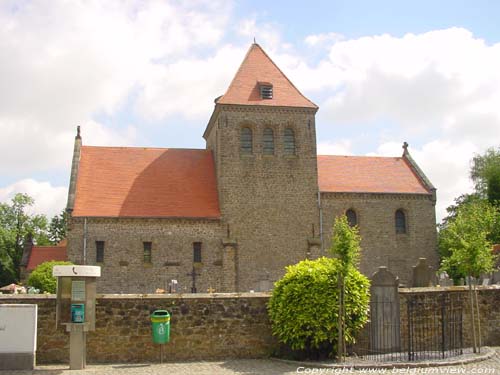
(346, 247)
(470, 251)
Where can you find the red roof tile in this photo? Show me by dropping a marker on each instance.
(257, 68)
(40, 254)
(365, 174)
(146, 182)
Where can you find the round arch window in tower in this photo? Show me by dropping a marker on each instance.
(289, 142)
(268, 141)
(246, 141)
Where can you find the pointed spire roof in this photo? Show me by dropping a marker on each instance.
(257, 68)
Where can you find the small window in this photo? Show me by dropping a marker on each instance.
(147, 251)
(266, 91)
(246, 141)
(268, 141)
(352, 218)
(289, 142)
(400, 222)
(99, 251)
(197, 252)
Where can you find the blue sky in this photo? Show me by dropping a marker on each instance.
(145, 73)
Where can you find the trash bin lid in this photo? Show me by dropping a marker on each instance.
(158, 313)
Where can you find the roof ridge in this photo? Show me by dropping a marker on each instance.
(148, 148)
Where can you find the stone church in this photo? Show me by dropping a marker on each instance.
(232, 216)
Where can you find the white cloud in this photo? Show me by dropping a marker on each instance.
(49, 200)
(321, 40)
(64, 62)
(342, 147)
(441, 88)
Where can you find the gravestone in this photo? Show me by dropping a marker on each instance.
(384, 312)
(423, 275)
(444, 279)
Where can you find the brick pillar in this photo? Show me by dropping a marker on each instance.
(313, 248)
(229, 266)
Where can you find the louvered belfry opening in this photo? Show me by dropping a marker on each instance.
(266, 90)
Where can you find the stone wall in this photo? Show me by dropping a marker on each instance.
(124, 269)
(381, 245)
(202, 327)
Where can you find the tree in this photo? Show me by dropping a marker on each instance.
(15, 225)
(303, 308)
(485, 173)
(57, 228)
(41, 277)
(346, 247)
(469, 250)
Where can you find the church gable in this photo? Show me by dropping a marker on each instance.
(260, 82)
(146, 182)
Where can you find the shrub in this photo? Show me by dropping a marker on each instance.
(304, 305)
(41, 277)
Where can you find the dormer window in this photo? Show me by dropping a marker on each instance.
(266, 90)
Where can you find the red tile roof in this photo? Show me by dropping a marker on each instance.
(146, 182)
(363, 174)
(257, 68)
(40, 254)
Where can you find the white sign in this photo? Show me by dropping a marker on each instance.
(78, 290)
(74, 270)
(18, 328)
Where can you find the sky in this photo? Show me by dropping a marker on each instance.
(145, 73)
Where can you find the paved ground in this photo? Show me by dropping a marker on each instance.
(253, 367)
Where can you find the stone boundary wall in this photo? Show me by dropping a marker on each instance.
(203, 326)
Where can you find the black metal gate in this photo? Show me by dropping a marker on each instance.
(427, 326)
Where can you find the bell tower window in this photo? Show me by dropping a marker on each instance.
(246, 141)
(268, 141)
(289, 142)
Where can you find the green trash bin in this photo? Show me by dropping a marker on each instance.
(160, 322)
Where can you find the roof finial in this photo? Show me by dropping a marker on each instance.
(254, 42)
(78, 132)
(405, 148)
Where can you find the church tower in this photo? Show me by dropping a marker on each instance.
(263, 138)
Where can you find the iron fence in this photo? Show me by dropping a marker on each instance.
(423, 328)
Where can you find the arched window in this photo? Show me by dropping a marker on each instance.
(289, 142)
(246, 141)
(352, 218)
(400, 221)
(268, 141)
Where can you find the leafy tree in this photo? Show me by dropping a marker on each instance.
(57, 228)
(304, 305)
(485, 173)
(41, 277)
(464, 241)
(346, 247)
(470, 251)
(15, 225)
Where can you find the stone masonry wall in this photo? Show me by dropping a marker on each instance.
(124, 269)
(203, 326)
(381, 245)
(268, 201)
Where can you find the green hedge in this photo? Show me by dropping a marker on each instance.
(41, 277)
(304, 305)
